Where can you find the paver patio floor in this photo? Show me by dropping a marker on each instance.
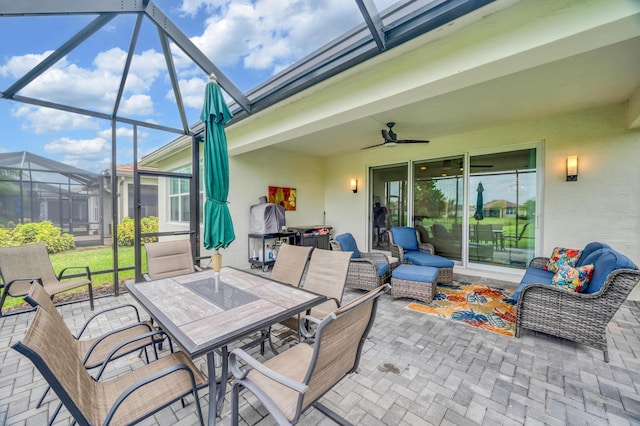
(416, 369)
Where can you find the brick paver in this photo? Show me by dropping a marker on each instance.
(415, 369)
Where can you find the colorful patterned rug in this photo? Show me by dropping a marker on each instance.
(474, 304)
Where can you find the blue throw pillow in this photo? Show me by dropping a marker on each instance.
(348, 243)
(405, 237)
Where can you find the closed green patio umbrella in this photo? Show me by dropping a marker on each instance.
(218, 227)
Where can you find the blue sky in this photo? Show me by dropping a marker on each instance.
(249, 40)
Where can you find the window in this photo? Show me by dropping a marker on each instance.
(179, 197)
(180, 208)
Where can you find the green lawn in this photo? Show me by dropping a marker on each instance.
(97, 259)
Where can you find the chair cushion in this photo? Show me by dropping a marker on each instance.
(405, 237)
(609, 261)
(382, 268)
(562, 256)
(348, 243)
(424, 274)
(573, 279)
(426, 259)
(533, 276)
(588, 250)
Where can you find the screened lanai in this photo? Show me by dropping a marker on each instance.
(36, 189)
(131, 35)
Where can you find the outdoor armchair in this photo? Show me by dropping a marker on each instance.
(22, 266)
(290, 264)
(126, 399)
(297, 378)
(167, 259)
(94, 351)
(288, 269)
(367, 270)
(327, 275)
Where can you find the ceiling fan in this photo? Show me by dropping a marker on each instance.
(391, 138)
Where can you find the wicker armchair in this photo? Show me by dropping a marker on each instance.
(398, 252)
(417, 252)
(367, 270)
(579, 317)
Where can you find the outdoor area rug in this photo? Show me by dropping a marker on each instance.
(478, 305)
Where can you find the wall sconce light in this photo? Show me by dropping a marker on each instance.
(572, 168)
(354, 185)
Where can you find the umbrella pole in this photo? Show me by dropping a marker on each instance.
(216, 263)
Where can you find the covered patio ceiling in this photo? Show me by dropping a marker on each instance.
(581, 66)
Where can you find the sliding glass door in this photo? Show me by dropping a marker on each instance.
(388, 202)
(502, 196)
(438, 214)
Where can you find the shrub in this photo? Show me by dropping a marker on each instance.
(126, 230)
(29, 233)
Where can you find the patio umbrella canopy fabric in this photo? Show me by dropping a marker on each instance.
(479, 202)
(218, 227)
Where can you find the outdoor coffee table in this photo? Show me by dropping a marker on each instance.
(202, 316)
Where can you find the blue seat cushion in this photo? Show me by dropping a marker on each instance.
(588, 250)
(609, 261)
(425, 259)
(537, 276)
(534, 276)
(382, 268)
(348, 243)
(423, 274)
(405, 237)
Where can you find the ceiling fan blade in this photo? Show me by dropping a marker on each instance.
(411, 141)
(374, 146)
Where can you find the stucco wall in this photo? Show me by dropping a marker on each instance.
(602, 205)
(252, 173)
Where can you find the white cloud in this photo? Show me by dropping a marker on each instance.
(192, 92)
(83, 147)
(137, 105)
(17, 66)
(45, 120)
(270, 34)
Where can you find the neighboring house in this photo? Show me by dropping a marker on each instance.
(541, 80)
(500, 209)
(124, 192)
(35, 189)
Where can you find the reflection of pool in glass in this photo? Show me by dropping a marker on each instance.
(224, 296)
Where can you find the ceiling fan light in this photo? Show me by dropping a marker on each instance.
(390, 144)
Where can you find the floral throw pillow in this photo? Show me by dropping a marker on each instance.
(562, 256)
(573, 279)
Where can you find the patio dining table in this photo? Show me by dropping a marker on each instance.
(204, 314)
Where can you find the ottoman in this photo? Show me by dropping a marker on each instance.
(444, 265)
(416, 282)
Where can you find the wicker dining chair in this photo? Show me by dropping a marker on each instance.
(297, 378)
(290, 264)
(95, 350)
(22, 266)
(126, 399)
(367, 270)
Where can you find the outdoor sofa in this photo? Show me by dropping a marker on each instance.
(579, 313)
